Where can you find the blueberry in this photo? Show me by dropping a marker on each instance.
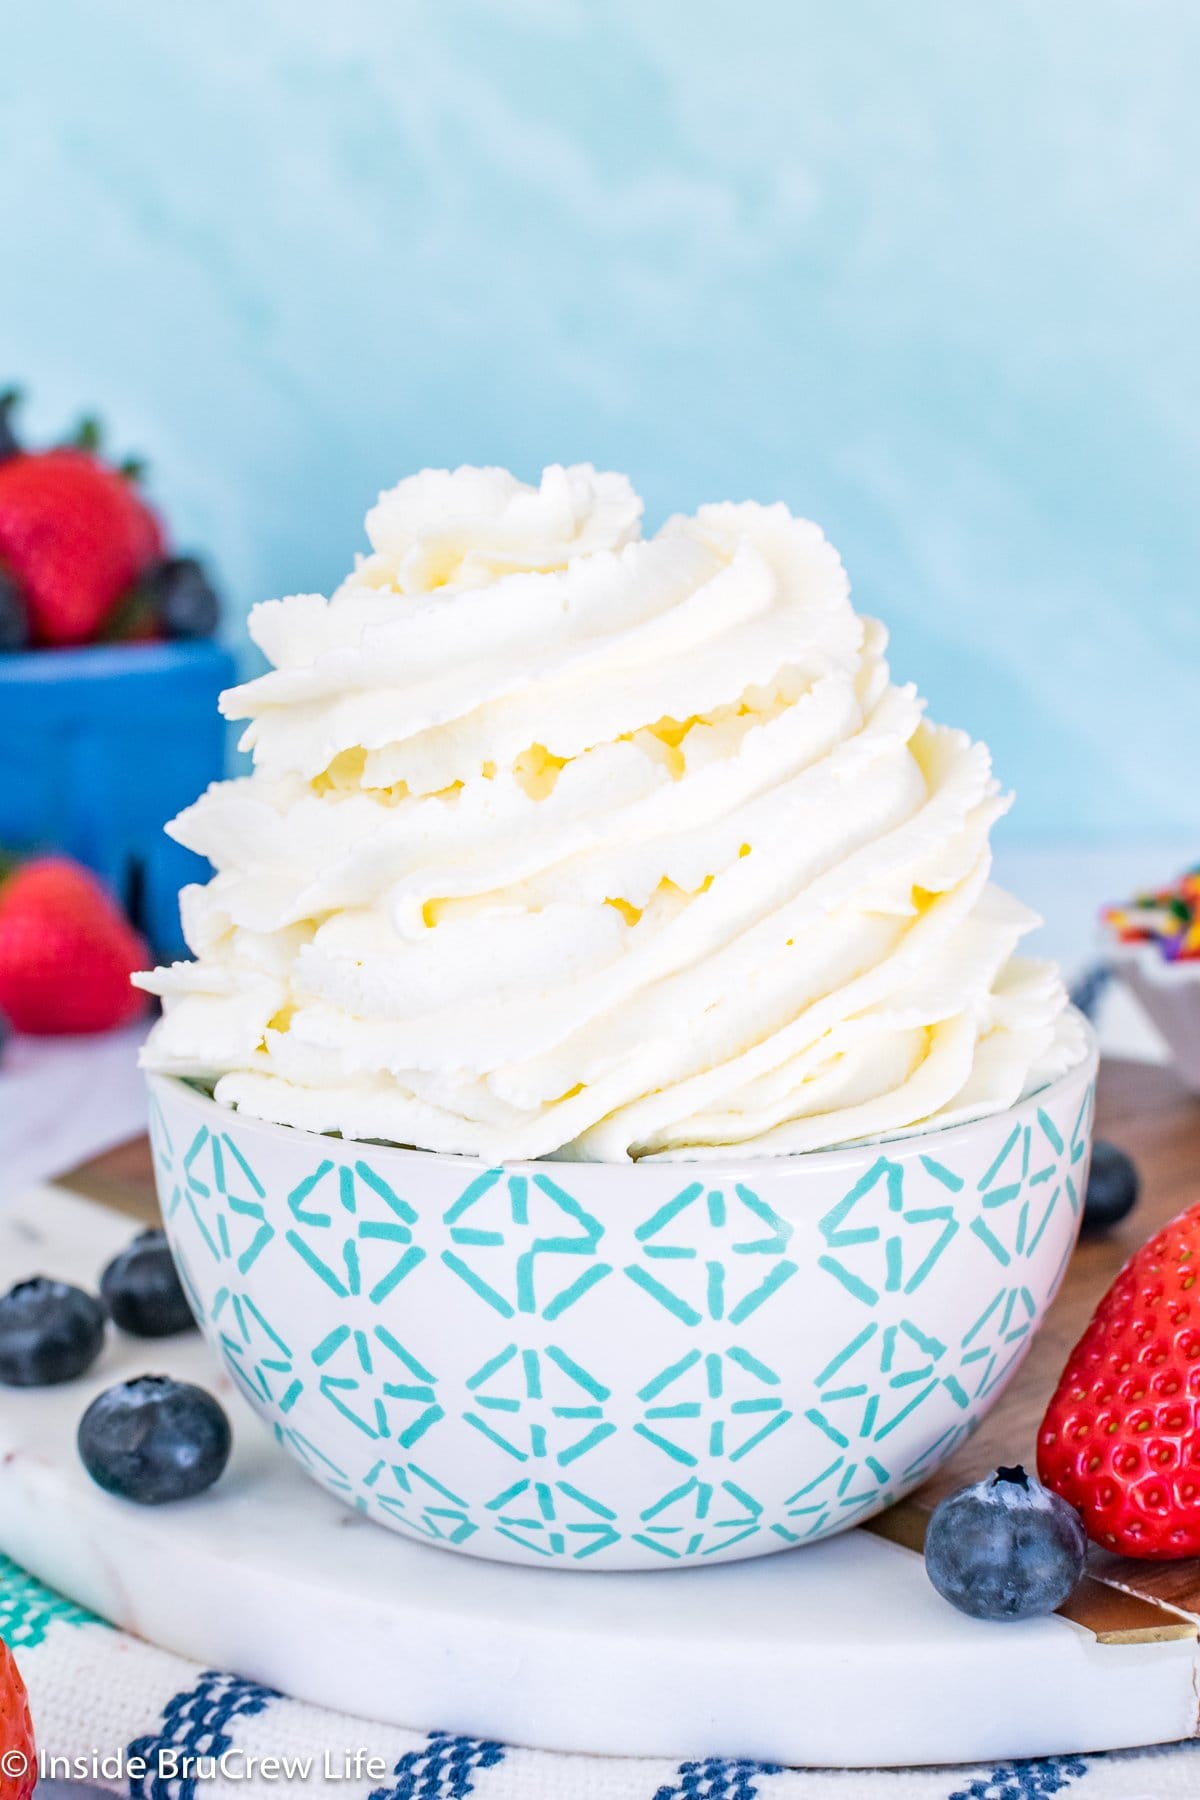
(1005, 1548)
(14, 619)
(49, 1332)
(10, 444)
(1112, 1188)
(142, 1291)
(154, 1440)
(182, 598)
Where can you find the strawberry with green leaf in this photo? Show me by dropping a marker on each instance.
(83, 556)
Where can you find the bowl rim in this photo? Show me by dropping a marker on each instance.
(1147, 962)
(85, 663)
(712, 1170)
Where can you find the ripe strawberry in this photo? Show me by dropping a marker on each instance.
(66, 952)
(16, 1733)
(1121, 1436)
(74, 537)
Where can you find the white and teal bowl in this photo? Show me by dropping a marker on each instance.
(622, 1367)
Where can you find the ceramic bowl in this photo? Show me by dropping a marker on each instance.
(1169, 995)
(622, 1367)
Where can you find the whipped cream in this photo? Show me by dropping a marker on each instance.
(564, 841)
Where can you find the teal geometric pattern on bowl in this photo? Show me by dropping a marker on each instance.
(602, 1367)
(528, 1235)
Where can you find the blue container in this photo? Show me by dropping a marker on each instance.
(99, 747)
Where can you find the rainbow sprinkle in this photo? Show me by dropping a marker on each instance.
(1168, 917)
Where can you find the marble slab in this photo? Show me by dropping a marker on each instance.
(839, 1654)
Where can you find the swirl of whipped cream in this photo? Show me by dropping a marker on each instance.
(565, 841)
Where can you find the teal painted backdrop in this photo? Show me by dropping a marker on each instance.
(928, 272)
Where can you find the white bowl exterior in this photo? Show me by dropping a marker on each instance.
(614, 1367)
(1169, 994)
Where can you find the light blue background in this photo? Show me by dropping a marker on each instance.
(929, 272)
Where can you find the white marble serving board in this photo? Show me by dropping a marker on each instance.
(839, 1654)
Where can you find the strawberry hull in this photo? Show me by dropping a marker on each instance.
(99, 747)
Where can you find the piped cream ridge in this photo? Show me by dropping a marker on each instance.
(565, 841)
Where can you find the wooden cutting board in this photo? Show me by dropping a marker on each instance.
(692, 1662)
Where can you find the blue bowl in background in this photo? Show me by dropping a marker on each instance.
(99, 748)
